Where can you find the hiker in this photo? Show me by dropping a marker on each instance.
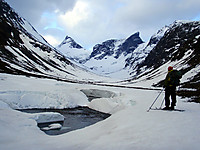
(171, 81)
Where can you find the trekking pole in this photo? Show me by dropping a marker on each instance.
(162, 103)
(155, 100)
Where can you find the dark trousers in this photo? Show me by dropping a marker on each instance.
(170, 91)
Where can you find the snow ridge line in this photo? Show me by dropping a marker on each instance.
(87, 82)
(108, 85)
(129, 87)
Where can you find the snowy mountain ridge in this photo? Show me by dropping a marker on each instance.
(106, 58)
(115, 57)
(109, 58)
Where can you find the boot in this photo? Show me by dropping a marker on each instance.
(166, 108)
(172, 107)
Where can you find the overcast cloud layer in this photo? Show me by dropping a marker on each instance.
(93, 21)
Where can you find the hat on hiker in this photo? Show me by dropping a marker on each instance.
(170, 68)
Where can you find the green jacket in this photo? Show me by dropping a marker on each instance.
(173, 78)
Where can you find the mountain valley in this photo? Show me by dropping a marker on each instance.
(97, 99)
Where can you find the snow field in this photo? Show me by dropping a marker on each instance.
(23, 93)
(129, 127)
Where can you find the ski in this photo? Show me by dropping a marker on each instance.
(180, 110)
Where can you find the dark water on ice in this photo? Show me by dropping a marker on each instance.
(75, 118)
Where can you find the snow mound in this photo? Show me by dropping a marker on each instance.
(96, 93)
(52, 127)
(43, 99)
(48, 117)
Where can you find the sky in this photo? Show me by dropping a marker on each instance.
(90, 22)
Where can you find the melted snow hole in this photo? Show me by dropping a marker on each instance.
(96, 93)
(59, 121)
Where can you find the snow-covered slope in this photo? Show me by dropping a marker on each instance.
(179, 43)
(129, 127)
(179, 38)
(23, 51)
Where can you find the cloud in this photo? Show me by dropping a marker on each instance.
(52, 40)
(76, 15)
(89, 21)
(33, 10)
(98, 20)
(120, 18)
(149, 16)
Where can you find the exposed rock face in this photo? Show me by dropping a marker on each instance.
(176, 42)
(116, 48)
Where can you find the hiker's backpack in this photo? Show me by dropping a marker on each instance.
(175, 77)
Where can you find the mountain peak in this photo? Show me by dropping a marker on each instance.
(70, 42)
(137, 34)
(68, 37)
